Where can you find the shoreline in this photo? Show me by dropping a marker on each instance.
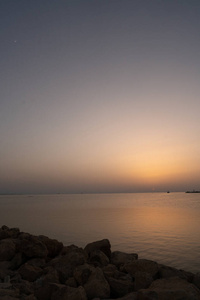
(38, 267)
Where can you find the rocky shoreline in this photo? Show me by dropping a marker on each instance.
(37, 267)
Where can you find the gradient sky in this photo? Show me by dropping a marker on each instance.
(99, 95)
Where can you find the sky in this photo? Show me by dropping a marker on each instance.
(99, 96)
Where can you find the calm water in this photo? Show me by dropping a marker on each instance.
(158, 226)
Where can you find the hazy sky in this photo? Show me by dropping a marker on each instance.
(99, 95)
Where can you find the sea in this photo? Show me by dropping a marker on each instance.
(164, 227)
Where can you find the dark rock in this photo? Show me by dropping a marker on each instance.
(196, 280)
(65, 264)
(32, 247)
(142, 265)
(25, 287)
(119, 258)
(167, 272)
(52, 291)
(29, 272)
(93, 281)
(37, 262)
(142, 280)
(7, 249)
(50, 275)
(98, 259)
(71, 282)
(3, 234)
(17, 261)
(53, 246)
(172, 288)
(69, 293)
(109, 270)
(103, 245)
(119, 287)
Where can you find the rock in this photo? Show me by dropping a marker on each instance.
(130, 296)
(196, 280)
(98, 259)
(142, 265)
(82, 273)
(25, 287)
(103, 245)
(109, 270)
(30, 297)
(7, 249)
(3, 234)
(8, 292)
(50, 275)
(4, 269)
(93, 281)
(29, 272)
(119, 258)
(17, 261)
(142, 280)
(53, 246)
(52, 291)
(167, 272)
(120, 287)
(71, 282)
(65, 264)
(172, 288)
(37, 262)
(69, 293)
(32, 247)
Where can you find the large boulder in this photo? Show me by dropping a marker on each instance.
(173, 288)
(142, 280)
(93, 281)
(98, 259)
(29, 272)
(53, 246)
(53, 291)
(7, 249)
(119, 287)
(119, 258)
(65, 264)
(196, 280)
(142, 265)
(31, 247)
(103, 245)
(167, 272)
(69, 293)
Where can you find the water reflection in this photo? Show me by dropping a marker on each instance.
(163, 227)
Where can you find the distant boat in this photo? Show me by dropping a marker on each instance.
(193, 192)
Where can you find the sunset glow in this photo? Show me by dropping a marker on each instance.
(99, 96)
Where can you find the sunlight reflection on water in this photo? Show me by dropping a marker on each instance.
(158, 226)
